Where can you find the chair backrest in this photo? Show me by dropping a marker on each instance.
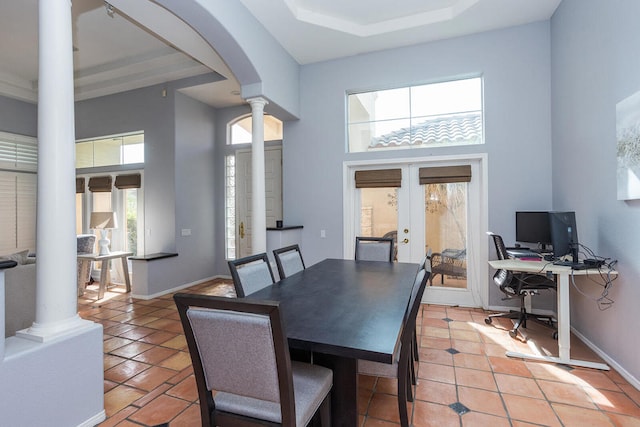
(239, 347)
(250, 274)
(374, 249)
(85, 243)
(289, 260)
(502, 278)
(419, 284)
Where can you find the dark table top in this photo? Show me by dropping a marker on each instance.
(345, 308)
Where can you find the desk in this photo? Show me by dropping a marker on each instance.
(342, 311)
(564, 312)
(106, 260)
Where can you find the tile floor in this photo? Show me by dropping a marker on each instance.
(464, 377)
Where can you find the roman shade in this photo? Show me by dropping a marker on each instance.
(379, 178)
(100, 184)
(128, 181)
(445, 174)
(79, 185)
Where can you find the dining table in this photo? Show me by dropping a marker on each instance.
(342, 311)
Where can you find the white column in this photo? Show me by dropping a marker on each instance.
(258, 202)
(56, 280)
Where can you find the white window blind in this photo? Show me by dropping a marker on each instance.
(18, 184)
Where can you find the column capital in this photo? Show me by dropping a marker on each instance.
(258, 102)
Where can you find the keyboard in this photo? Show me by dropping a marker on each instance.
(522, 253)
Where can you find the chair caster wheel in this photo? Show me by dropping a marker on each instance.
(554, 335)
(513, 333)
(488, 320)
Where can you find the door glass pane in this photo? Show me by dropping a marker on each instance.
(379, 212)
(446, 232)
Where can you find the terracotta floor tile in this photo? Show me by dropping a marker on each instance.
(477, 419)
(565, 393)
(475, 378)
(435, 355)
(188, 418)
(158, 337)
(426, 414)
(435, 343)
(595, 379)
(436, 392)
(434, 323)
(530, 410)
(178, 342)
(150, 378)
(125, 370)
(434, 372)
(137, 332)
(620, 420)
(458, 334)
(577, 416)
(429, 331)
(615, 402)
(483, 401)
(185, 390)
(505, 365)
(158, 391)
(177, 362)
(387, 386)
(522, 386)
(181, 375)
(109, 361)
(473, 361)
(108, 385)
(131, 350)
(465, 346)
(168, 325)
(384, 407)
(114, 343)
(115, 419)
(364, 399)
(366, 382)
(373, 422)
(160, 410)
(155, 355)
(119, 398)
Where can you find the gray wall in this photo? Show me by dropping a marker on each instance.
(18, 117)
(516, 68)
(595, 65)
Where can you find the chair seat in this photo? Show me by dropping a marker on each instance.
(311, 384)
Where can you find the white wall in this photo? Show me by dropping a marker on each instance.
(516, 69)
(595, 65)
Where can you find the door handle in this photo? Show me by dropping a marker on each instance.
(241, 229)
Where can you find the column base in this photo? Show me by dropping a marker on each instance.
(51, 331)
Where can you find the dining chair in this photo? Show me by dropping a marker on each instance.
(288, 260)
(401, 367)
(250, 274)
(241, 364)
(374, 249)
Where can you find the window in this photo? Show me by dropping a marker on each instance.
(230, 206)
(18, 184)
(437, 114)
(124, 149)
(240, 130)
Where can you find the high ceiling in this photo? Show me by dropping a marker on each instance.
(125, 44)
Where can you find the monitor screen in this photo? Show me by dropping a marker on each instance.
(564, 234)
(533, 227)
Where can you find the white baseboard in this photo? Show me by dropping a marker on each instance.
(180, 287)
(95, 420)
(611, 362)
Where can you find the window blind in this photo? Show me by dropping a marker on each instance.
(379, 178)
(445, 174)
(79, 185)
(17, 211)
(128, 181)
(100, 184)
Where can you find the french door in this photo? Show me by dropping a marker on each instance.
(426, 206)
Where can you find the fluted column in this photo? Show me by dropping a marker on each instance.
(258, 202)
(56, 282)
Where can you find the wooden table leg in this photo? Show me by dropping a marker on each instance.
(104, 268)
(344, 393)
(125, 270)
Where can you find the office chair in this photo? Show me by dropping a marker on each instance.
(374, 249)
(239, 349)
(519, 285)
(250, 274)
(289, 260)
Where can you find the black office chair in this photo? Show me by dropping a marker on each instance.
(374, 249)
(519, 285)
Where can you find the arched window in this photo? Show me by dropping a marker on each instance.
(240, 130)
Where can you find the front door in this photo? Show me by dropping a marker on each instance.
(273, 195)
(422, 216)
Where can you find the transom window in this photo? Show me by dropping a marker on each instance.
(114, 150)
(240, 130)
(436, 114)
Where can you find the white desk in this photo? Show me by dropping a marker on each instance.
(106, 260)
(564, 312)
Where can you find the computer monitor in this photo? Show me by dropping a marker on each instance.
(533, 227)
(564, 234)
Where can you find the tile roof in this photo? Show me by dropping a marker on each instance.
(442, 130)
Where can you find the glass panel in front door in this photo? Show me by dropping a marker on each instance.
(379, 212)
(446, 233)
